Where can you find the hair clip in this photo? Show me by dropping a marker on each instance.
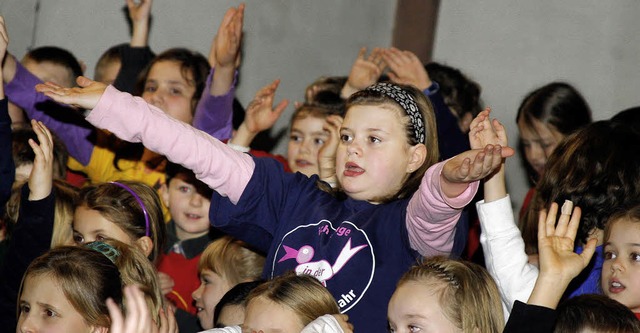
(109, 251)
(144, 210)
(407, 103)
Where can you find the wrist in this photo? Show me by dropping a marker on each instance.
(347, 90)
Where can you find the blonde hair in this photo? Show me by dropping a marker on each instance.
(65, 196)
(303, 294)
(136, 269)
(377, 98)
(469, 297)
(119, 206)
(233, 260)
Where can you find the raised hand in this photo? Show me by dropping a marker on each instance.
(85, 96)
(484, 131)
(224, 55)
(406, 68)
(364, 72)
(327, 153)
(138, 319)
(558, 263)
(228, 39)
(41, 178)
(556, 243)
(139, 13)
(260, 115)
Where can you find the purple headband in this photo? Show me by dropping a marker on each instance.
(144, 210)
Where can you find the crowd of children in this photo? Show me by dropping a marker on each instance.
(140, 202)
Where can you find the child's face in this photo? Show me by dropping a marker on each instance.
(621, 268)
(89, 226)
(45, 308)
(110, 72)
(188, 206)
(306, 139)
(538, 143)
(372, 160)
(270, 317)
(415, 307)
(167, 89)
(50, 72)
(212, 287)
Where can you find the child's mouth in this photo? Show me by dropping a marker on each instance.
(302, 163)
(616, 287)
(352, 170)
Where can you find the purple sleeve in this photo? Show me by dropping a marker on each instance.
(130, 118)
(214, 113)
(432, 216)
(62, 120)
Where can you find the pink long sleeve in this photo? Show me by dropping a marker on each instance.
(214, 163)
(432, 217)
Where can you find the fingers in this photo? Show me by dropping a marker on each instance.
(562, 225)
(281, 107)
(168, 322)
(117, 321)
(361, 53)
(589, 250)
(84, 81)
(574, 223)
(542, 225)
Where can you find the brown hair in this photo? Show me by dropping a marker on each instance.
(469, 297)
(627, 213)
(597, 169)
(87, 278)
(597, 313)
(233, 260)
(303, 294)
(376, 98)
(119, 206)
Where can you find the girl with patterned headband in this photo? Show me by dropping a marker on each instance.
(397, 203)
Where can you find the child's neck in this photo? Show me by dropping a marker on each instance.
(183, 235)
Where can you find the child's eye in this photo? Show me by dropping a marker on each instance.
(608, 255)
(50, 313)
(77, 238)
(149, 88)
(25, 308)
(373, 139)
(345, 138)
(318, 142)
(634, 256)
(175, 91)
(414, 328)
(295, 138)
(100, 238)
(184, 189)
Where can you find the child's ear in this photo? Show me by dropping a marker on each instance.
(164, 194)
(145, 243)
(417, 158)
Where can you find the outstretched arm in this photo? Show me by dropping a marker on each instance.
(132, 119)
(139, 13)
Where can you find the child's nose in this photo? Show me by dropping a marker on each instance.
(197, 293)
(27, 324)
(196, 200)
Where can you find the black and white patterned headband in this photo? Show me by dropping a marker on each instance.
(407, 103)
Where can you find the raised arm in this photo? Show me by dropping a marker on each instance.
(446, 188)
(135, 56)
(260, 115)
(501, 241)
(132, 119)
(215, 109)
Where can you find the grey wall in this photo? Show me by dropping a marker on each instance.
(296, 41)
(512, 47)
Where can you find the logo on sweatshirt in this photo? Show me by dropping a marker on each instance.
(341, 258)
